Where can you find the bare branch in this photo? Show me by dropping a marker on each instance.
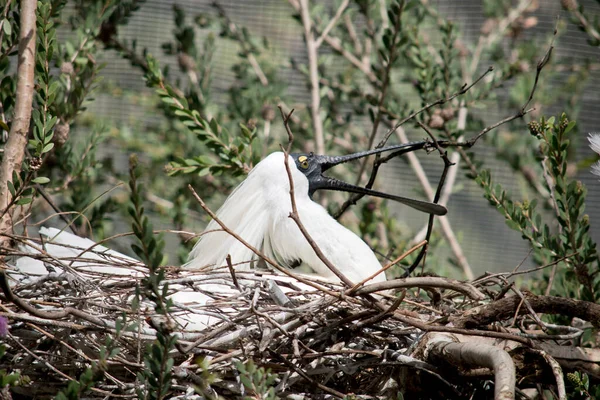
(315, 95)
(332, 23)
(477, 354)
(505, 308)
(389, 265)
(425, 282)
(14, 151)
(354, 198)
(447, 230)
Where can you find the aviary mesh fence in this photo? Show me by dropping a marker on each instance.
(488, 243)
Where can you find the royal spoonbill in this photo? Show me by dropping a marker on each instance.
(258, 211)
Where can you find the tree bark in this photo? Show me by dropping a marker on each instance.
(505, 308)
(476, 355)
(14, 150)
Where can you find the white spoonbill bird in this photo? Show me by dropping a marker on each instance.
(258, 211)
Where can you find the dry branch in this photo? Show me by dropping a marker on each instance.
(319, 342)
(14, 151)
(442, 347)
(507, 307)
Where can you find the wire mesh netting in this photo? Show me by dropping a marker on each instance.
(488, 243)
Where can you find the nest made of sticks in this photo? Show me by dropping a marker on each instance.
(316, 338)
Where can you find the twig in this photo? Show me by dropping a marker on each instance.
(232, 272)
(385, 83)
(469, 332)
(436, 198)
(336, 45)
(306, 376)
(522, 111)
(447, 230)
(76, 351)
(386, 267)
(462, 91)
(247, 53)
(425, 282)
(505, 308)
(354, 198)
(252, 248)
(556, 371)
(25, 306)
(39, 359)
(503, 24)
(332, 22)
(585, 24)
(57, 210)
(384, 314)
(42, 321)
(294, 213)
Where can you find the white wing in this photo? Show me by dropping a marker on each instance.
(258, 210)
(86, 260)
(244, 212)
(73, 253)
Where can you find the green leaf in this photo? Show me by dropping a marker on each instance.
(11, 189)
(41, 180)
(24, 200)
(6, 27)
(513, 225)
(570, 126)
(47, 148)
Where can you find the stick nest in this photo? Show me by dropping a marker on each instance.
(316, 342)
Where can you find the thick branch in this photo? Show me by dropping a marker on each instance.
(315, 102)
(506, 308)
(478, 355)
(14, 150)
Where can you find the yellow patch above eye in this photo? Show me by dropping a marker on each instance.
(302, 158)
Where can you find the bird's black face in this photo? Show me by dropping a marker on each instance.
(313, 166)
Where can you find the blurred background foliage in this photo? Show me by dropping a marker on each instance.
(193, 87)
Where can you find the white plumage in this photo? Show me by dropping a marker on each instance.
(258, 210)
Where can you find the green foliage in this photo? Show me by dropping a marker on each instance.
(43, 120)
(569, 242)
(10, 379)
(234, 152)
(397, 61)
(158, 373)
(584, 20)
(150, 250)
(257, 381)
(77, 388)
(207, 377)
(581, 387)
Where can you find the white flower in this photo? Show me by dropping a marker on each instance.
(594, 139)
(596, 168)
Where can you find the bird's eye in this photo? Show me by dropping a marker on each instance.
(303, 161)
